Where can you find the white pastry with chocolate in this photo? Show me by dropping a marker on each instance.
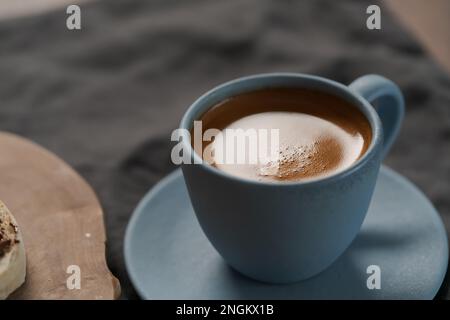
(12, 254)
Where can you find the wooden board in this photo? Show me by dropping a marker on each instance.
(61, 221)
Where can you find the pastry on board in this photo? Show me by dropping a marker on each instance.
(12, 254)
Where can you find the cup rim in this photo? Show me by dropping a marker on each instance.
(344, 92)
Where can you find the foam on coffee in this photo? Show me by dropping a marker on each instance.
(319, 133)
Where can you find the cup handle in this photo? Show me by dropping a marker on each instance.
(387, 99)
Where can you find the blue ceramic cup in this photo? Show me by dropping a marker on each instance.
(289, 231)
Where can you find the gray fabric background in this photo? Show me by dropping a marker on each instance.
(106, 98)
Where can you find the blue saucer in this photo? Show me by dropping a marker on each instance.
(168, 256)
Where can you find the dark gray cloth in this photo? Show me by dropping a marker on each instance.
(106, 98)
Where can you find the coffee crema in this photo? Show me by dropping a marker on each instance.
(319, 133)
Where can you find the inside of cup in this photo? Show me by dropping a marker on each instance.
(262, 82)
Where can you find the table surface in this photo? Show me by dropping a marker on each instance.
(427, 20)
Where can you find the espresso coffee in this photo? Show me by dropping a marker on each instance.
(318, 134)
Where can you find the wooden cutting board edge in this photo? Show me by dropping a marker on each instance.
(13, 139)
